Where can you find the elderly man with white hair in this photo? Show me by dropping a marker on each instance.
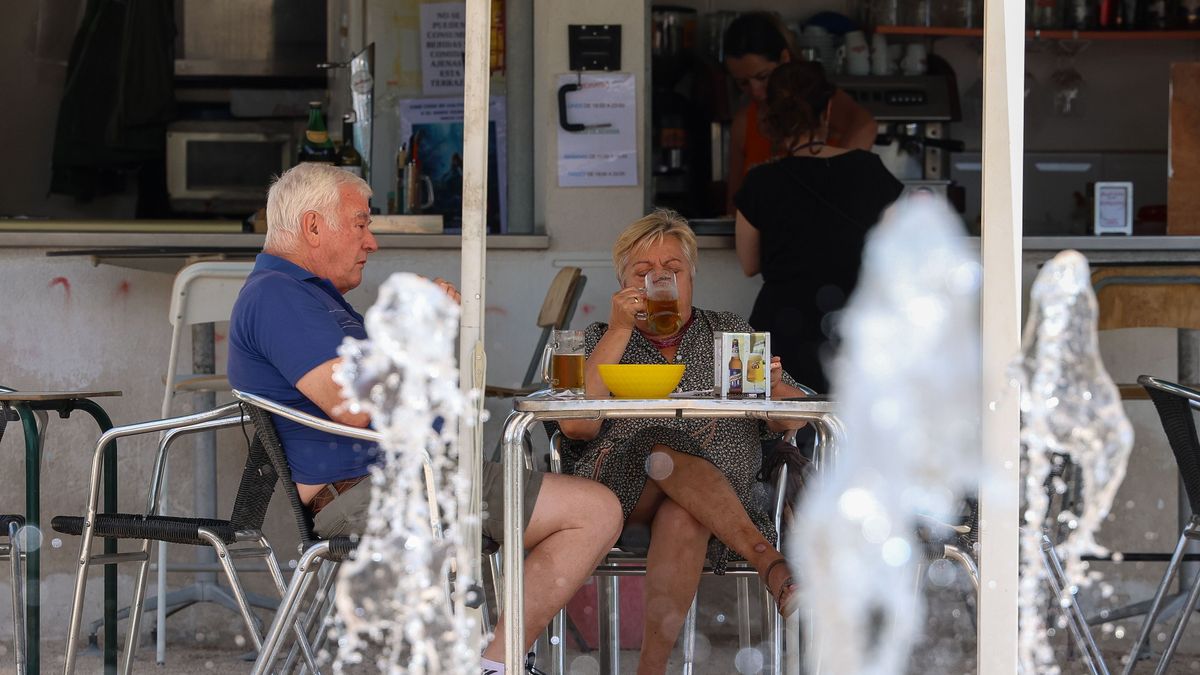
(288, 321)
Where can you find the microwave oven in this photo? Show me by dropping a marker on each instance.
(226, 166)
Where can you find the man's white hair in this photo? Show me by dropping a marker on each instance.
(305, 187)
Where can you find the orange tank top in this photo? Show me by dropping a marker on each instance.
(757, 149)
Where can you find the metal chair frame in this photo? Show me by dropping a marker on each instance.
(1175, 404)
(314, 552)
(11, 551)
(246, 543)
(619, 563)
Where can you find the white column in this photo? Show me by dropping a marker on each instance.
(1003, 145)
(471, 358)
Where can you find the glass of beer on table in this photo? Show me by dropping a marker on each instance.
(662, 303)
(562, 362)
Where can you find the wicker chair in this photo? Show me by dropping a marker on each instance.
(313, 550)
(1175, 404)
(238, 537)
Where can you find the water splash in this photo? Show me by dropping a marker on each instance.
(907, 384)
(1069, 407)
(393, 601)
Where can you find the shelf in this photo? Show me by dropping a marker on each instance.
(1036, 34)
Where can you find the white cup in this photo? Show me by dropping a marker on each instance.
(914, 59)
(856, 54)
(881, 63)
(853, 63)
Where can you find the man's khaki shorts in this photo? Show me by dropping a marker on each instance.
(347, 514)
(493, 499)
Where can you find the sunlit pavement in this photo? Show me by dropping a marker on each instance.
(948, 645)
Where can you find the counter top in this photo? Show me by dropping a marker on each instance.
(1111, 243)
(238, 240)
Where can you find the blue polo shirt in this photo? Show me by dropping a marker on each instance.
(287, 321)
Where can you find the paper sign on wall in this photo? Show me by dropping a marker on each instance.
(599, 155)
(443, 43)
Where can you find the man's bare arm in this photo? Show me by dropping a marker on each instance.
(318, 386)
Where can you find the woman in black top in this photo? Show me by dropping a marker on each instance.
(802, 220)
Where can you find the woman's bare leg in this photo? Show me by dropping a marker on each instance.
(574, 524)
(702, 490)
(678, 543)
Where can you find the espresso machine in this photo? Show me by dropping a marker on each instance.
(913, 112)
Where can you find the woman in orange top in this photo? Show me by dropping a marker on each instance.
(755, 44)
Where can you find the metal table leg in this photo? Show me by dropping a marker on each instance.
(513, 457)
(33, 520)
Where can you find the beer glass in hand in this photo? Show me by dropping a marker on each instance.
(662, 303)
(562, 362)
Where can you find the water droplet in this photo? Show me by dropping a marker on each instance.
(584, 665)
(941, 573)
(30, 538)
(56, 543)
(896, 552)
(659, 466)
(1119, 632)
(720, 617)
(748, 661)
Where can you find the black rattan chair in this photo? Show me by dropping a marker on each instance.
(1175, 404)
(313, 550)
(238, 537)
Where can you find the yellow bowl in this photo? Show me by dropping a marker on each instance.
(628, 380)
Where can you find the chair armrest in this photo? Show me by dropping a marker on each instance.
(311, 421)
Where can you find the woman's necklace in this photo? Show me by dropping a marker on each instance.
(670, 340)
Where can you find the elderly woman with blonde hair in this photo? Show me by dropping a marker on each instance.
(686, 481)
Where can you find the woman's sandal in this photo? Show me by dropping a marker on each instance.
(787, 600)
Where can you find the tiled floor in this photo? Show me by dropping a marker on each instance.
(948, 647)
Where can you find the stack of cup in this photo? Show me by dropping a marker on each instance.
(881, 61)
(914, 62)
(854, 55)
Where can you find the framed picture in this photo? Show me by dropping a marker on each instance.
(1113, 208)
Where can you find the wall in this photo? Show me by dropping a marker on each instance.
(584, 217)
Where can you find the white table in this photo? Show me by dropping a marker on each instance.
(542, 408)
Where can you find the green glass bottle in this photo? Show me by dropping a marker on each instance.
(316, 146)
(349, 157)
